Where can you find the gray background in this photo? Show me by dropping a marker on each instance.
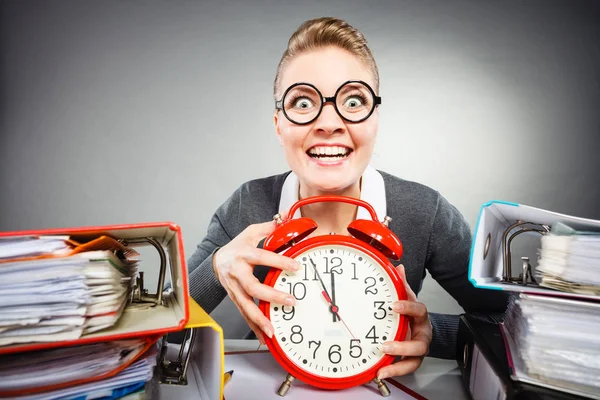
(131, 111)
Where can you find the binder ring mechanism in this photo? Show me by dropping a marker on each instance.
(140, 295)
(175, 372)
(519, 227)
(170, 372)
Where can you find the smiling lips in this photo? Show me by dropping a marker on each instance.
(328, 154)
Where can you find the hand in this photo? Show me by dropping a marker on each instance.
(234, 264)
(418, 337)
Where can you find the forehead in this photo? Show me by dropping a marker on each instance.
(327, 69)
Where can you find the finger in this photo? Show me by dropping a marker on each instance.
(401, 272)
(256, 329)
(250, 310)
(406, 366)
(260, 291)
(259, 334)
(412, 308)
(255, 256)
(415, 347)
(409, 292)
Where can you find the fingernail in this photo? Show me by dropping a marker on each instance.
(294, 265)
(268, 332)
(289, 301)
(397, 306)
(381, 376)
(386, 348)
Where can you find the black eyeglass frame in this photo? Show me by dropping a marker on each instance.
(376, 101)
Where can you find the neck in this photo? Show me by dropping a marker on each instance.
(330, 216)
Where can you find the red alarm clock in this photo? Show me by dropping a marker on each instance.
(332, 337)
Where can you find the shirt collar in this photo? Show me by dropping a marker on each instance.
(372, 191)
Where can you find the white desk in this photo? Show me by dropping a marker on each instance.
(435, 379)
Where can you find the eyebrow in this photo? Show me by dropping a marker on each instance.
(303, 90)
(356, 86)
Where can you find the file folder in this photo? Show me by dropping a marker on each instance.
(552, 342)
(201, 354)
(498, 224)
(484, 366)
(148, 314)
(29, 362)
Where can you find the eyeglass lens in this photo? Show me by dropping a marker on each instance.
(302, 104)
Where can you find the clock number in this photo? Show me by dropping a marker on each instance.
(355, 346)
(335, 352)
(288, 315)
(369, 289)
(318, 344)
(354, 278)
(335, 268)
(296, 331)
(374, 337)
(379, 305)
(306, 268)
(293, 290)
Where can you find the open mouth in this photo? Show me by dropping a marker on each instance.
(329, 153)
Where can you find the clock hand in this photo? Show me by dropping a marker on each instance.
(335, 309)
(333, 293)
(324, 292)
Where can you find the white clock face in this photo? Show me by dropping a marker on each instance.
(342, 313)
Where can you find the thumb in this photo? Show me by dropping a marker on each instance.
(409, 292)
(401, 272)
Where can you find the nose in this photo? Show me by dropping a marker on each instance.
(329, 121)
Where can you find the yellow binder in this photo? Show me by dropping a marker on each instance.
(202, 354)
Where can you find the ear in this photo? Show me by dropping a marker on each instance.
(277, 130)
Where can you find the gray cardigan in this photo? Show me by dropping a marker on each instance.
(434, 235)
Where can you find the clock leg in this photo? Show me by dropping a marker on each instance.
(285, 386)
(383, 389)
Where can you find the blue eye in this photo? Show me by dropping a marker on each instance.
(353, 102)
(303, 102)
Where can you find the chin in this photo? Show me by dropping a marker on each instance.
(335, 179)
(332, 186)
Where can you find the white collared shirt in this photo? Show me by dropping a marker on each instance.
(372, 191)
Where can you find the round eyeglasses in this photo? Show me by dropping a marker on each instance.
(302, 102)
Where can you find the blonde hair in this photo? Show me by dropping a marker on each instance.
(317, 33)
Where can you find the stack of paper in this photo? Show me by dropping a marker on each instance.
(554, 342)
(100, 370)
(53, 291)
(570, 260)
(34, 246)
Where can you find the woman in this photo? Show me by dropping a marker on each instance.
(328, 146)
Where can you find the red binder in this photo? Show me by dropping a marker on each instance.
(153, 314)
(148, 342)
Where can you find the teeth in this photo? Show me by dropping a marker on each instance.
(336, 151)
